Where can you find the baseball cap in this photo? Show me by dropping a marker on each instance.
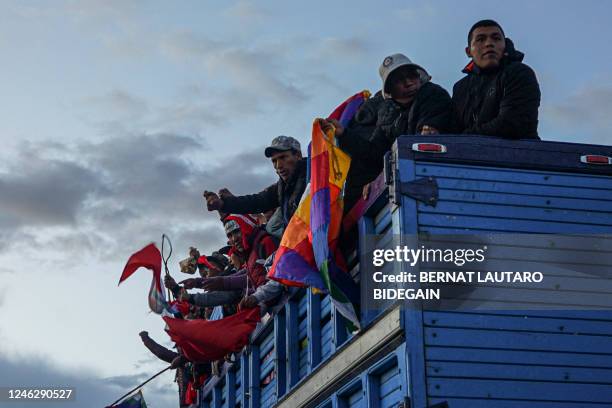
(281, 144)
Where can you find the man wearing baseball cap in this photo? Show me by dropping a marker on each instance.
(409, 103)
(499, 96)
(286, 156)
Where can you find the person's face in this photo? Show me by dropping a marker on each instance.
(285, 163)
(487, 47)
(404, 84)
(235, 239)
(214, 271)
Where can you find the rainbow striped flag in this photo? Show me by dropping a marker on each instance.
(308, 254)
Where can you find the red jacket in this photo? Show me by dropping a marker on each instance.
(263, 245)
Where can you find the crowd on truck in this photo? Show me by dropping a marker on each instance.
(498, 96)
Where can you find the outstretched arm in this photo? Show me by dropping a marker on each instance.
(160, 351)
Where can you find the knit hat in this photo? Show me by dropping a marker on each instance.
(245, 222)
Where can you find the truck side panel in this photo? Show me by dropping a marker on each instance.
(515, 358)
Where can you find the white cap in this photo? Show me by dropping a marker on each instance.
(393, 62)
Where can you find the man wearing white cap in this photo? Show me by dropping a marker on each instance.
(409, 103)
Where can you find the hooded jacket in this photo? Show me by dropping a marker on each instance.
(379, 122)
(285, 195)
(500, 102)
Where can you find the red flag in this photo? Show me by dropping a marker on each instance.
(211, 340)
(148, 257)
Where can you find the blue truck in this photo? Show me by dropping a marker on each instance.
(305, 356)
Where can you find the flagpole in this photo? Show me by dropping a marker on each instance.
(139, 386)
(164, 238)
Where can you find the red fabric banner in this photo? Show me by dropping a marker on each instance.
(210, 340)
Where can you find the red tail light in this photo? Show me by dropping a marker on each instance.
(429, 148)
(595, 159)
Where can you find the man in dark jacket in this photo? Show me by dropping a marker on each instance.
(408, 104)
(500, 95)
(286, 156)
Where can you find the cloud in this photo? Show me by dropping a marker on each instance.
(586, 109)
(120, 102)
(115, 13)
(45, 192)
(104, 199)
(89, 389)
(2, 293)
(145, 362)
(202, 238)
(254, 76)
(188, 45)
(351, 48)
(248, 12)
(126, 381)
(119, 112)
(257, 74)
(5, 271)
(417, 13)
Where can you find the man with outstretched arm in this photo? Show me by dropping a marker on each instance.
(283, 196)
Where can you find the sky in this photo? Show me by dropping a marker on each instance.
(118, 114)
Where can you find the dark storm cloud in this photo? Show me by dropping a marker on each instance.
(118, 193)
(45, 192)
(90, 390)
(126, 381)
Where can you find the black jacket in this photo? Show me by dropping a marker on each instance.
(379, 122)
(282, 194)
(502, 102)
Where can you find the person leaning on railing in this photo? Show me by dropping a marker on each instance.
(500, 95)
(409, 103)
